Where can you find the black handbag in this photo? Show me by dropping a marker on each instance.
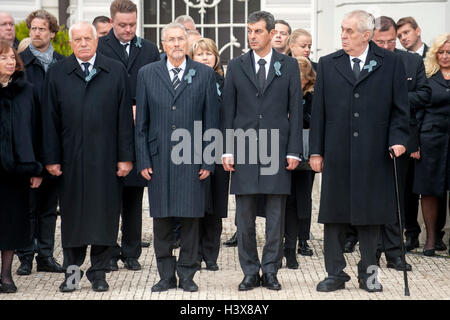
(304, 163)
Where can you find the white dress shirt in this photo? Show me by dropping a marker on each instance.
(128, 46)
(91, 63)
(362, 57)
(180, 74)
(420, 50)
(268, 59)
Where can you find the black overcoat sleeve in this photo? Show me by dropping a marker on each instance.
(317, 133)
(125, 137)
(143, 157)
(421, 96)
(295, 142)
(229, 108)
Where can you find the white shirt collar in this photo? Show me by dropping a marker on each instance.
(362, 57)
(182, 67)
(268, 58)
(420, 50)
(91, 65)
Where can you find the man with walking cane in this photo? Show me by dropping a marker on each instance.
(360, 110)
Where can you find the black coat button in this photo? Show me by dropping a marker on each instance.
(174, 127)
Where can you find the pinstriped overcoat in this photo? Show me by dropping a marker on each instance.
(175, 189)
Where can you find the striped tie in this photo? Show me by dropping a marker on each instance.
(176, 80)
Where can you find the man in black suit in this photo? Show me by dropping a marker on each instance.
(360, 110)
(409, 34)
(262, 91)
(37, 58)
(175, 93)
(419, 95)
(133, 52)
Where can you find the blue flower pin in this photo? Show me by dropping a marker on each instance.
(91, 74)
(138, 43)
(189, 76)
(370, 66)
(277, 66)
(218, 89)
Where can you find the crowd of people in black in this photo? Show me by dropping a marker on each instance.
(87, 133)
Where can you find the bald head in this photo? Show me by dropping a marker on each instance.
(83, 40)
(7, 31)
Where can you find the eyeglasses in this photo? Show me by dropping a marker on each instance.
(382, 42)
(174, 40)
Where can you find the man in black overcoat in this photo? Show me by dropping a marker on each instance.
(419, 95)
(88, 134)
(360, 110)
(37, 58)
(175, 93)
(133, 52)
(262, 91)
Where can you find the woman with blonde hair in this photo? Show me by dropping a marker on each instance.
(432, 171)
(300, 44)
(299, 203)
(205, 51)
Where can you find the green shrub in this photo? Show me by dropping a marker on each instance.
(60, 42)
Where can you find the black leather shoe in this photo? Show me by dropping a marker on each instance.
(113, 266)
(439, 245)
(304, 249)
(145, 244)
(411, 243)
(250, 282)
(291, 258)
(232, 242)
(25, 267)
(48, 264)
(349, 246)
(330, 284)
(363, 285)
(270, 281)
(397, 264)
(188, 285)
(100, 285)
(8, 287)
(165, 284)
(132, 264)
(429, 252)
(211, 266)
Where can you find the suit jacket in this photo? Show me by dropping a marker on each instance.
(277, 107)
(353, 124)
(141, 53)
(175, 189)
(419, 94)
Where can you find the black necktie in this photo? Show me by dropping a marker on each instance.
(124, 46)
(86, 68)
(356, 67)
(176, 80)
(261, 75)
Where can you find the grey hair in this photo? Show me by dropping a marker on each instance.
(78, 25)
(184, 19)
(366, 21)
(172, 25)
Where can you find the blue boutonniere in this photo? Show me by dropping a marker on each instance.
(138, 43)
(218, 89)
(277, 66)
(91, 74)
(369, 67)
(189, 76)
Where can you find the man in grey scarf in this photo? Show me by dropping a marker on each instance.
(38, 58)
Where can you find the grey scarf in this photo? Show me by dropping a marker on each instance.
(45, 58)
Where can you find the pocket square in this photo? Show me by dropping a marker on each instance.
(409, 79)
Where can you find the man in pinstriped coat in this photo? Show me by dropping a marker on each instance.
(173, 94)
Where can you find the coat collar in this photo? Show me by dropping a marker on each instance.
(163, 73)
(72, 66)
(248, 66)
(344, 67)
(439, 78)
(114, 44)
(28, 57)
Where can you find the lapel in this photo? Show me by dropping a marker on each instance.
(134, 52)
(184, 82)
(375, 54)
(73, 66)
(116, 47)
(344, 67)
(163, 73)
(247, 63)
(276, 56)
(439, 78)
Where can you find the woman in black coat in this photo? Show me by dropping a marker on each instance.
(205, 51)
(299, 203)
(432, 171)
(19, 169)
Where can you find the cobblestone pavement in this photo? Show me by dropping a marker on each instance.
(430, 278)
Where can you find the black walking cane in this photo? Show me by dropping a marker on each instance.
(405, 274)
